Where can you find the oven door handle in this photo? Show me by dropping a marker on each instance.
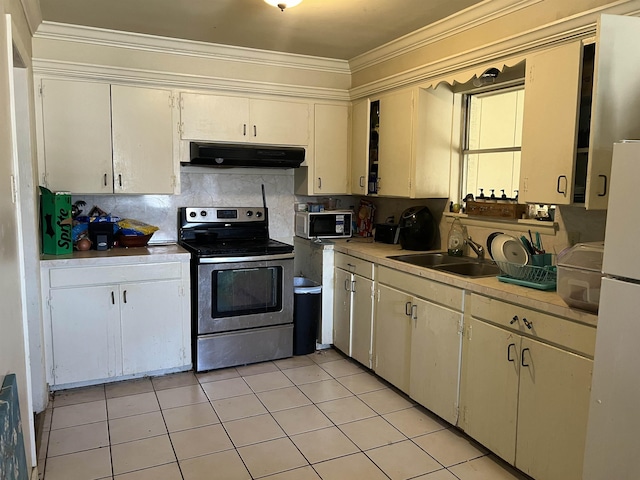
(254, 258)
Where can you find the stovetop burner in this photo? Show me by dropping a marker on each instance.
(227, 232)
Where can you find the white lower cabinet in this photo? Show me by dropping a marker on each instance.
(523, 398)
(112, 321)
(353, 307)
(419, 339)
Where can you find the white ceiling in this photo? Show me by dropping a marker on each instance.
(339, 29)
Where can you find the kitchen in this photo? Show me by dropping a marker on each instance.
(52, 52)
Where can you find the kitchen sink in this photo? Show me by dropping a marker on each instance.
(471, 269)
(431, 259)
(463, 266)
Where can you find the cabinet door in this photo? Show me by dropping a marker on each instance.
(394, 157)
(151, 325)
(617, 69)
(342, 311)
(359, 147)
(85, 335)
(142, 140)
(279, 123)
(393, 337)
(362, 320)
(214, 117)
(76, 120)
(489, 393)
(436, 343)
(330, 160)
(553, 410)
(552, 91)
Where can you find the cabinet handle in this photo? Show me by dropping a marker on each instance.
(255, 131)
(244, 129)
(604, 185)
(527, 323)
(346, 284)
(319, 182)
(509, 352)
(362, 181)
(407, 309)
(353, 286)
(563, 192)
(513, 320)
(124, 296)
(105, 179)
(113, 298)
(522, 357)
(414, 312)
(120, 179)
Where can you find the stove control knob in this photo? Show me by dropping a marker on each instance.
(249, 213)
(258, 214)
(192, 214)
(203, 213)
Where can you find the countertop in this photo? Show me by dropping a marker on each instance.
(118, 256)
(548, 302)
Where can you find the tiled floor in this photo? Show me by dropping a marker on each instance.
(319, 416)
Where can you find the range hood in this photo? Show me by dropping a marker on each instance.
(239, 155)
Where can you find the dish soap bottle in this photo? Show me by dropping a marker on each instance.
(455, 239)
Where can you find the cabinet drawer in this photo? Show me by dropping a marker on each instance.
(354, 265)
(431, 290)
(559, 331)
(72, 277)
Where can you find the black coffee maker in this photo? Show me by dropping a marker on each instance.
(418, 229)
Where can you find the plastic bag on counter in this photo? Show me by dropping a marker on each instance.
(129, 226)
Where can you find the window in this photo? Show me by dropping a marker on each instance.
(492, 137)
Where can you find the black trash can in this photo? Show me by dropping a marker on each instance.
(307, 307)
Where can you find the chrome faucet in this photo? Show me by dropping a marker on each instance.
(476, 247)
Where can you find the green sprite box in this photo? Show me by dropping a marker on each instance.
(56, 222)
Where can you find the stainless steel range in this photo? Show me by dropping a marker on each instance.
(242, 286)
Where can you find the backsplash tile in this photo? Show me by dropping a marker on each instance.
(206, 189)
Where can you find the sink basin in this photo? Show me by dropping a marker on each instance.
(463, 266)
(431, 259)
(470, 269)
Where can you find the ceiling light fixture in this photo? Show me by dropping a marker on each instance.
(283, 4)
(488, 77)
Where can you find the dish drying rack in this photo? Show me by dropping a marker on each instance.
(541, 278)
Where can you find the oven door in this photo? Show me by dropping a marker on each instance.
(242, 293)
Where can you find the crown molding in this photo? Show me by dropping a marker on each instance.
(155, 78)
(453, 25)
(507, 50)
(32, 13)
(173, 46)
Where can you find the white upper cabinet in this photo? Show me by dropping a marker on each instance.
(578, 102)
(101, 138)
(359, 147)
(219, 118)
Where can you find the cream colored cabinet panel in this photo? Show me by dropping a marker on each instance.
(613, 118)
(393, 337)
(214, 117)
(553, 410)
(489, 393)
(549, 125)
(359, 147)
(142, 140)
(150, 339)
(394, 157)
(362, 320)
(278, 122)
(85, 333)
(331, 160)
(436, 342)
(354, 265)
(342, 311)
(76, 126)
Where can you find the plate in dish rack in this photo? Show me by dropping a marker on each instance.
(506, 248)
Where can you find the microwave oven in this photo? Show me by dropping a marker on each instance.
(326, 224)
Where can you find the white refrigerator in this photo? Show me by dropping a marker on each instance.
(612, 448)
